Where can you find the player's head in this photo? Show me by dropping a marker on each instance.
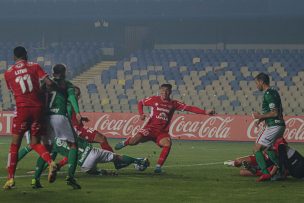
(20, 53)
(59, 71)
(262, 81)
(165, 91)
(77, 92)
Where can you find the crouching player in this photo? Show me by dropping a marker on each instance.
(89, 157)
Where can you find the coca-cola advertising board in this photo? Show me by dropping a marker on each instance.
(183, 126)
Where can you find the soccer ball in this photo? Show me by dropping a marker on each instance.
(145, 163)
(139, 167)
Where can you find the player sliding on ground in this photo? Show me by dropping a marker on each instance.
(89, 157)
(157, 127)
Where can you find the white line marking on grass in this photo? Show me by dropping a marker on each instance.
(170, 166)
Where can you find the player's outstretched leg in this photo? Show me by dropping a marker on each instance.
(134, 140)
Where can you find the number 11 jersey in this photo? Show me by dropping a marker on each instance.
(23, 79)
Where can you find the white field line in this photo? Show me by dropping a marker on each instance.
(170, 166)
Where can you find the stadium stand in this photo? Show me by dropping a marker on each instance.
(220, 79)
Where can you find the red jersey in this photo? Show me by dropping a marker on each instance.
(161, 111)
(23, 79)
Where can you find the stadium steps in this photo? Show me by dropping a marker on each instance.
(93, 72)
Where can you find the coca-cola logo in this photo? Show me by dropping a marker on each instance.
(212, 127)
(118, 127)
(294, 129)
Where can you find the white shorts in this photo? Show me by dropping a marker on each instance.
(268, 135)
(96, 156)
(59, 126)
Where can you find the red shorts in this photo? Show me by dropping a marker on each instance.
(27, 118)
(88, 134)
(153, 135)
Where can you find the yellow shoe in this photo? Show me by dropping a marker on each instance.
(10, 183)
(52, 172)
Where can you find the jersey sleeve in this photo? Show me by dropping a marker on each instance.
(72, 97)
(180, 106)
(149, 101)
(269, 98)
(41, 73)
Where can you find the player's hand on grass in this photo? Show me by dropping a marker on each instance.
(210, 112)
(142, 117)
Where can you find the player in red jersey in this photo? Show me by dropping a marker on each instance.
(157, 127)
(23, 80)
(88, 134)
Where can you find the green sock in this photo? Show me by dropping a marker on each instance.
(72, 162)
(273, 157)
(24, 151)
(40, 166)
(261, 162)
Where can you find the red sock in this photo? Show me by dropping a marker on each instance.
(105, 145)
(43, 152)
(126, 142)
(163, 155)
(63, 162)
(12, 160)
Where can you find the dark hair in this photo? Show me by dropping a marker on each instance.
(169, 86)
(263, 77)
(20, 52)
(59, 68)
(77, 88)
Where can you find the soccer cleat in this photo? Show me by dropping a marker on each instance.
(119, 145)
(10, 183)
(264, 177)
(36, 184)
(73, 183)
(52, 172)
(158, 170)
(229, 163)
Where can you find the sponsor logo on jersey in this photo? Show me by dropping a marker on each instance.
(55, 110)
(162, 116)
(162, 109)
(272, 105)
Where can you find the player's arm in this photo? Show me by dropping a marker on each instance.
(273, 113)
(144, 102)
(73, 101)
(193, 109)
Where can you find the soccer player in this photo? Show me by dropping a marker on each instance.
(275, 125)
(88, 134)
(22, 80)
(157, 127)
(89, 157)
(59, 123)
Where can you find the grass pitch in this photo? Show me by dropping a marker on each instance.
(194, 172)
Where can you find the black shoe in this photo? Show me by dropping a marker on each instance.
(73, 183)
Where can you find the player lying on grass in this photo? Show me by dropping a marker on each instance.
(157, 127)
(249, 167)
(89, 157)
